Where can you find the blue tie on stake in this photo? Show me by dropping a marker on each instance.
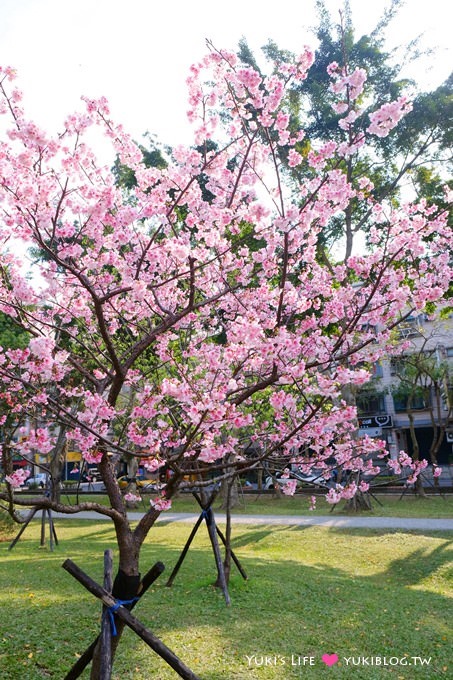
(111, 612)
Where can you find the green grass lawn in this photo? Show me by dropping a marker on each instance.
(392, 506)
(384, 505)
(311, 591)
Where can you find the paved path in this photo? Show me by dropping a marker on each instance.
(408, 523)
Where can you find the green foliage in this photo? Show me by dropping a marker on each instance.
(152, 158)
(11, 335)
(313, 105)
(432, 116)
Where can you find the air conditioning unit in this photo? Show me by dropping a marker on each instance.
(449, 437)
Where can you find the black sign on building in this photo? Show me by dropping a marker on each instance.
(375, 421)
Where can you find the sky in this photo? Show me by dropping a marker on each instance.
(137, 53)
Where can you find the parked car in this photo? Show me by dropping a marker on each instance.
(316, 478)
(142, 483)
(40, 479)
(272, 480)
(313, 479)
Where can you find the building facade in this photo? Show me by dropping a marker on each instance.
(414, 392)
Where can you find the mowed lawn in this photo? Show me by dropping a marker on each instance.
(311, 591)
(382, 505)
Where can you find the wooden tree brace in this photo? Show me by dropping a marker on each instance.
(82, 662)
(207, 514)
(106, 633)
(124, 614)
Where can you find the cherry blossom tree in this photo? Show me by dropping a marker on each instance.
(178, 320)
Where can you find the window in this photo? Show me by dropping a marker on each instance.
(377, 370)
(396, 365)
(370, 404)
(418, 402)
(410, 327)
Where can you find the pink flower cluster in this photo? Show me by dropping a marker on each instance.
(18, 478)
(245, 90)
(161, 503)
(132, 498)
(289, 487)
(38, 440)
(350, 83)
(387, 117)
(405, 464)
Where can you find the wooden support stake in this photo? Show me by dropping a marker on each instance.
(219, 532)
(210, 523)
(184, 552)
(83, 661)
(233, 556)
(24, 526)
(106, 627)
(207, 515)
(43, 530)
(52, 527)
(52, 533)
(213, 531)
(124, 614)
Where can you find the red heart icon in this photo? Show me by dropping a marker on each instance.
(330, 659)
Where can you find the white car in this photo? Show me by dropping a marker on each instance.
(40, 479)
(313, 479)
(272, 480)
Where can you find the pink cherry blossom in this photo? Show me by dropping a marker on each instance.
(132, 498)
(387, 117)
(93, 457)
(289, 487)
(18, 478)
(160, 503)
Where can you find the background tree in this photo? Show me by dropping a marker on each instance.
(424, 381)
(417, 154)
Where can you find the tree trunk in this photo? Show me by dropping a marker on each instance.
(418, 487)
(361, 500)
(57, 463)
(125, 586)
(260, 478)
(230, 495)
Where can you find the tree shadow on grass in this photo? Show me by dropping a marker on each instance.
(261, 534)
(419, 565)
(30, 533)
